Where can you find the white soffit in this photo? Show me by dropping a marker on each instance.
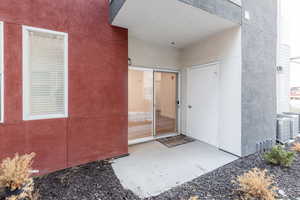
(167, 21)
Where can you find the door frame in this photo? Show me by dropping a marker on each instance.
(178, 118)
(188, 112)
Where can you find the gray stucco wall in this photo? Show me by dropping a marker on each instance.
(114, 7)
(259, 38)
(223, 8)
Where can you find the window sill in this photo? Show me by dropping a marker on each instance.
(41, 117)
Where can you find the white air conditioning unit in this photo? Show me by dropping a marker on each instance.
(283, 130)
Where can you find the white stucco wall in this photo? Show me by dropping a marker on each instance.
(147, 54)
(224, 47)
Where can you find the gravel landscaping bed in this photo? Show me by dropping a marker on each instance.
(93, 181)
(217, 184)
(98, 181)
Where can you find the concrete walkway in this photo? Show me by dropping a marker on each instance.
(153, 168)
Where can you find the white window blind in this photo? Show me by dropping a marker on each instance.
(1, 72)
(45, 70)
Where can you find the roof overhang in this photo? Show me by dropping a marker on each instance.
(167, 22)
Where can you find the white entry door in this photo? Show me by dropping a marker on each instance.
(203, 103)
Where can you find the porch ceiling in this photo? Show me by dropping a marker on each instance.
(167, 21)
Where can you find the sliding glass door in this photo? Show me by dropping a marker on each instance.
(165, 103)
(152, 103)
(140, 104)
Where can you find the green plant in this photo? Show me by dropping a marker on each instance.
(256, 183)
(279, 156)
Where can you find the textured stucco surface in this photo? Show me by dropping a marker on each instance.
(259, 38)
(114, 8)
(222, 8)
(97, 124)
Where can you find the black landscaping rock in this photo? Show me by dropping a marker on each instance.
(217, 184)
(97, 181)
(93, 181)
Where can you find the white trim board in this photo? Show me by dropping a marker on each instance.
(26, 110)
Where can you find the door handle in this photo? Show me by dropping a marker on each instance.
(190, 107)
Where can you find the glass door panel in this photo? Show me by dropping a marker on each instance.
(140, 104)
(165, 106)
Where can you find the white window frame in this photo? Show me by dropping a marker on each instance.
(26, 97)
(2, 71)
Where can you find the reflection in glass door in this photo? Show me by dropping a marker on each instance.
(140, 104)
(165, 103)
(151, 95)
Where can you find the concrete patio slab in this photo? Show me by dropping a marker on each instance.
(152, 168)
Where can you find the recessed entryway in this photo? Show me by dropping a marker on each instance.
(208, 89)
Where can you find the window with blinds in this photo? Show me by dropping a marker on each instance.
(45, 74)
(1, 72)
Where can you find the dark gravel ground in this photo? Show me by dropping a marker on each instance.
(93, 181)
(98, 181)
(217, 184)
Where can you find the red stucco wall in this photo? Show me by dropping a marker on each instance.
(97, 123)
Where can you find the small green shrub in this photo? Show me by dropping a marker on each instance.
(279, 156)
